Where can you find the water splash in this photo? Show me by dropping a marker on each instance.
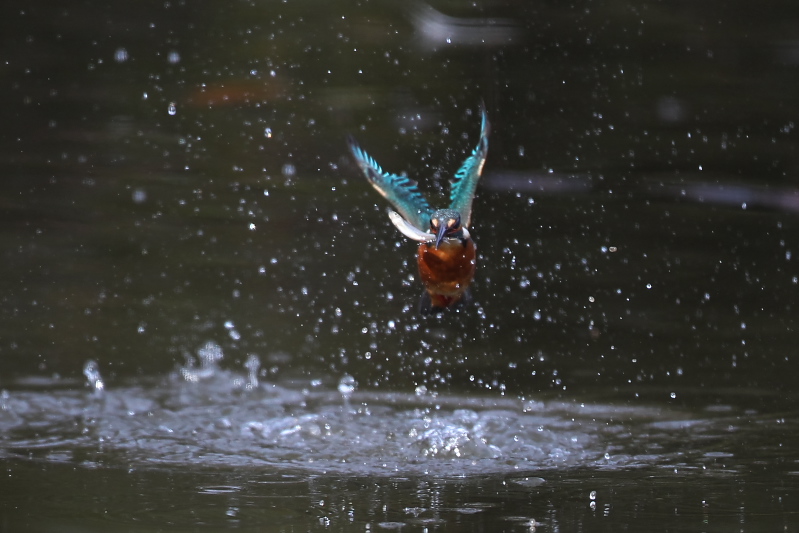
(252, 364)
(346, 386)
(209, 355)
(337, 430)
(93, 378)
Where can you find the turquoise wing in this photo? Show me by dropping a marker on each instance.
(465, 181)
(401, 191)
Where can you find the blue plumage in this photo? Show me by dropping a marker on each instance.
(464, 183)
(403, 193)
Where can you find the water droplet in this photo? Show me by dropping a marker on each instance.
(347, 385)
(93, 378)
(289, 170)
(231, 329)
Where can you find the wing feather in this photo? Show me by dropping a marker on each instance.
(401, 191)
(464, 183)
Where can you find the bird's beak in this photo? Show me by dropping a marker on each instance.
(442, 230)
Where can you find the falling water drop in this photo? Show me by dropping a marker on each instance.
(289, 170)
(231, 330)
(139, 195)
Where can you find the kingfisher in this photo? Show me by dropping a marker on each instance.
(446, 256)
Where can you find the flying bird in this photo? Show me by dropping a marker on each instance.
(446, 255)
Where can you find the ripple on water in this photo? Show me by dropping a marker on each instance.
(214, 421)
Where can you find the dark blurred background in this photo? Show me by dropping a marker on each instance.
(176, 172)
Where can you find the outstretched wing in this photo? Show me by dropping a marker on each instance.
(465, 181)
(401, 191)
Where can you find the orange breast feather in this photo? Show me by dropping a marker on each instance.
(446, 271)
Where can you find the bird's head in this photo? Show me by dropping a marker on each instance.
(446, 223)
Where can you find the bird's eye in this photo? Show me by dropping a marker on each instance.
(453, 225)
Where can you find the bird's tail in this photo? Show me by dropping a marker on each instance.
(433, 304)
